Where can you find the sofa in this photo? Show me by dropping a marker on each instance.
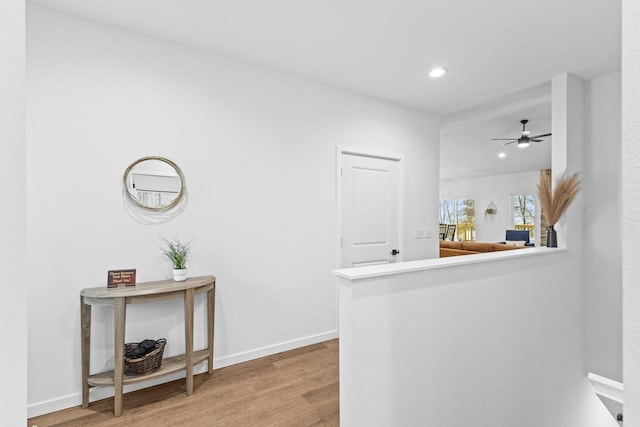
(448, 248)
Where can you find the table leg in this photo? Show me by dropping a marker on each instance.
(188, 337)
(85, 345)
(211, 313)
(120, 312)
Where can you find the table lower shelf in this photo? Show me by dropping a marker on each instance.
(169, 365)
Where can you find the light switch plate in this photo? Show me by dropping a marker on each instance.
(428, 233)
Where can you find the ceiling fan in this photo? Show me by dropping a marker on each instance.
(524, 140)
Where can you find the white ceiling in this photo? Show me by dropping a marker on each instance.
(466, 148)
(385, 48)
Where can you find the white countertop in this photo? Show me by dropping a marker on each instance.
(368, 272)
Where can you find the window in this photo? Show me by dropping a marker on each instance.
(462, 213)
(524, 213)
(447, 212)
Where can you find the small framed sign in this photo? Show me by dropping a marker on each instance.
(119, 278)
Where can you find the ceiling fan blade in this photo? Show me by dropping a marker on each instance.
(535, 140)
(507, 143)
(504, 139)
(542, 135)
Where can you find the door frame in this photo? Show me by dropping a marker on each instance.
(377, 154)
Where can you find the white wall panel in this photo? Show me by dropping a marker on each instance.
(631, 207)
(496, 343)
(602, 178)
(13, 240)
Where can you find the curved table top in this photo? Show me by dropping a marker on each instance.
(147, 288)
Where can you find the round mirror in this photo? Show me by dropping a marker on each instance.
(154, 183)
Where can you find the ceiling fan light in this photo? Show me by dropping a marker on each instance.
(437, 72)
(523, 144)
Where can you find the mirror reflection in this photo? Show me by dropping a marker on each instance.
(154, 183)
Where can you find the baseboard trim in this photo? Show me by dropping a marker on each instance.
(234, 359)
(48, 406)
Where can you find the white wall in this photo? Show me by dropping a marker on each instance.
(13, 302)
(602, 191)
(631, 207)
(497, 189)
(257, 148)
(490, 344)
(602, 180)
(567, 151)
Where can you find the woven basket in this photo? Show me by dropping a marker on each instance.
(148, 363)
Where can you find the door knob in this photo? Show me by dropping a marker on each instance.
(395, 252)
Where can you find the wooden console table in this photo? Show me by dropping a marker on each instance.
(144, 292)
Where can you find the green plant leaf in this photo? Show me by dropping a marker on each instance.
(176, 252)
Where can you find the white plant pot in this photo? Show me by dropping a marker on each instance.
(180, 275)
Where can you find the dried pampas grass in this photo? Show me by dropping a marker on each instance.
(554, 204)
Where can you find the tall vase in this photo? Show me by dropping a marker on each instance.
(552, 237)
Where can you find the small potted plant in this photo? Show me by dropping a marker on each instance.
(178, 253)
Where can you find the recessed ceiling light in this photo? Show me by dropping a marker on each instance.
(437, 72)
(502, 155)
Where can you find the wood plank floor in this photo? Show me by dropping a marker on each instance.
(294, 388)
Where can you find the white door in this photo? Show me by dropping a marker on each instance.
(370, 210)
